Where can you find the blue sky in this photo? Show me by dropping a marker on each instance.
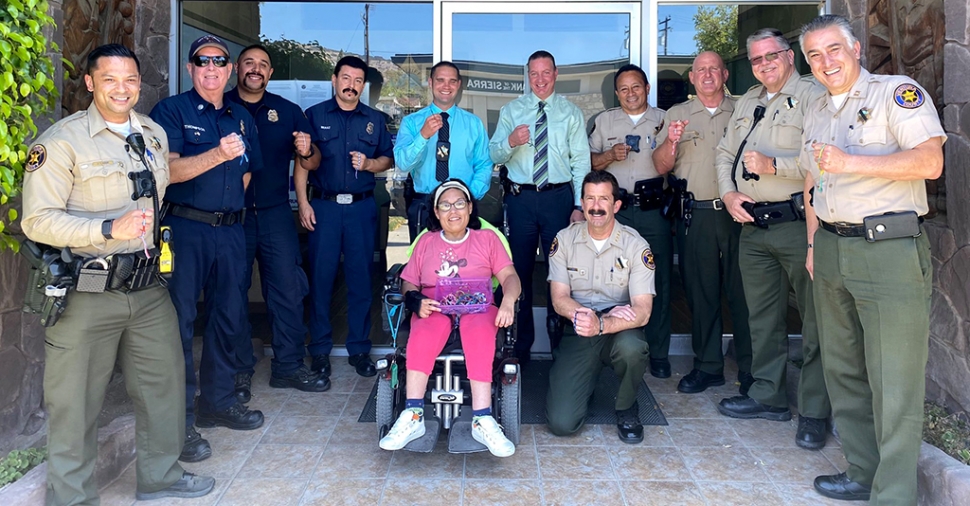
(406, 28)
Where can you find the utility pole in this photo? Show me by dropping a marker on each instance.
(367, 35)
(666, 28)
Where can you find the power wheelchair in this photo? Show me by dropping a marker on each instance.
(448, 394)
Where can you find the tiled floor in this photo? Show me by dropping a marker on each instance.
(312, 451)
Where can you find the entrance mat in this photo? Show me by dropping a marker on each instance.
(535, 384)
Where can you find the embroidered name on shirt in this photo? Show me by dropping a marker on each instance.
(193, 127)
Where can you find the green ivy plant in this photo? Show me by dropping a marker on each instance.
(16, 464)
(26, 90)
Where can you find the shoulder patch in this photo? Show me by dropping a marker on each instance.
(36, 157)
(908, 96)
(555, 246)
(647, 258)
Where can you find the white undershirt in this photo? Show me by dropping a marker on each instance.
(122, 128)
(839, 99)
(711, 109)
(599, 243)
(636, 117)
(771, 95)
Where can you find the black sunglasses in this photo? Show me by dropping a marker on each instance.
(202, 60)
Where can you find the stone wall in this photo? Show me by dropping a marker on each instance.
(885, 26)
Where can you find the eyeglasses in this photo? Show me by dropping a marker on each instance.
(758, 60)
(202, 60)
(446, 206)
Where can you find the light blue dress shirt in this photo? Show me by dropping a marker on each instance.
(568, 146)
(469, 159)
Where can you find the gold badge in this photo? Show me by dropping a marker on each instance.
(273, 116)
(555, 247)
(370, 128)
(156, 143)
(242, 127)
(648, 259)
(36, 157)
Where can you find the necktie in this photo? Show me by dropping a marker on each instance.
(540, 165)
(441, 168)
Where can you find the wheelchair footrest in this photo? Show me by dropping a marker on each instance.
(426, 443)
(460, 438)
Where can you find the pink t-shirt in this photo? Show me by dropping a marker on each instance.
(480, 255)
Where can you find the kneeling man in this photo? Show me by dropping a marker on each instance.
(601, 277)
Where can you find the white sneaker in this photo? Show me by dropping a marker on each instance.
(408, 427)
(488, 432)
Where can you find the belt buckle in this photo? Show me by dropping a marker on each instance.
(345, 198)
(718, 204)
(219, 217)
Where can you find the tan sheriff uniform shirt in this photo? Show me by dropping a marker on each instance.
(778, 135)
(77, 177)
(695, 152)
(882, 115)
(612, 126)
(624, 269)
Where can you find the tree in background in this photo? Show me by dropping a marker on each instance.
(717, 30)
(293, 60)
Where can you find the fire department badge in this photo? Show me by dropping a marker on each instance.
(36, 157)
(370, 128)
(273, 116)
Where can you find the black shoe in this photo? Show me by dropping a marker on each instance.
(321, 365)
(363, 364)
(244, 387)
(628, 426)
(301, 379)
(698, 381)
(812, 433)
(524, 356)
(188, 486)
(839, 486)
(235, 417)
(746, 380)
(660, 367)
(745, 407)
(195, 449)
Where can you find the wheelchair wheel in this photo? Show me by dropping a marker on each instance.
(385, 405)
(511, 409)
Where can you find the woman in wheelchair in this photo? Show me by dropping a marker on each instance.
(454, 247)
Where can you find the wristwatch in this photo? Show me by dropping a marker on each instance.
(774, 164)
(106, 228)
(308, 156)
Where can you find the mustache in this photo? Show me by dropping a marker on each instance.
(597, 212)
(349, 90)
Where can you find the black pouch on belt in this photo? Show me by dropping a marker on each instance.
(625, 198)
(651, 193)
(891, 226)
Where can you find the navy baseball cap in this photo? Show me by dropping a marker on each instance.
(208, 41)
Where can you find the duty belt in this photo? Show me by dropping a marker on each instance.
(715, 204)
(341, 198)
(216, 219)
(844, 229)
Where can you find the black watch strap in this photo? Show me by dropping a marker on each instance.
(308, 156)
(106, 228)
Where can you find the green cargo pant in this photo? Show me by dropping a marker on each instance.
(577, 366)
(140, 329)
(873, 312)
(655, 229)
(771, 260)
(708, 262)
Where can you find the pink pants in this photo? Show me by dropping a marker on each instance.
(478, 331)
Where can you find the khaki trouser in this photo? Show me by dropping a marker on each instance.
(139, 329)
(873, 313)
(771, 260)
(577, 366)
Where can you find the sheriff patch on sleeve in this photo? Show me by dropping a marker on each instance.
(908, 96)
(648, 259)
(36, 157)
(555, 247)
